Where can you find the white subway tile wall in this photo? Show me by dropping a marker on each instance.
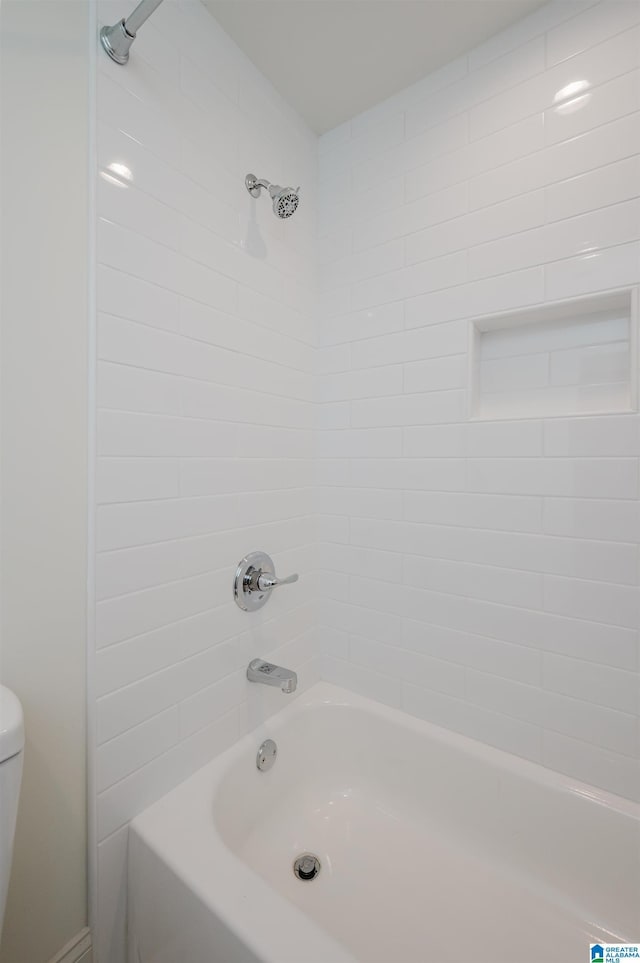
(489, 571)
(481, 575)
(205, 413)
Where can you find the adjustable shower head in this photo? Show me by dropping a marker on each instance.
(285, 199)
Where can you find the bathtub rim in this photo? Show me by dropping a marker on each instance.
(260, 903)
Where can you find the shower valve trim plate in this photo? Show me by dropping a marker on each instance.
(255, 580)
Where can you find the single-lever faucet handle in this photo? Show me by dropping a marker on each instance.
(255, 579)
(271, 581)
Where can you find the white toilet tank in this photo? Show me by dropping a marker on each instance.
(11, 753)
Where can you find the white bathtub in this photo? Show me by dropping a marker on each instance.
(432, 847)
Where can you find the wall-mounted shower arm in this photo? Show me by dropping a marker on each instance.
(117, 40)
(254, 184)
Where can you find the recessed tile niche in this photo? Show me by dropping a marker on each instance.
(574, 357)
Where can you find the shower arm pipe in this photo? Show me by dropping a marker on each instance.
(141, 13)
(254, 184)
(117, 40)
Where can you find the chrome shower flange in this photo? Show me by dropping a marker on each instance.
(252, 185)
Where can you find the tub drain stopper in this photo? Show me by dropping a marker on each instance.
(306, 866)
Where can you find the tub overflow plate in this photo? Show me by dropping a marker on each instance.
(266, 755)
(306, 866)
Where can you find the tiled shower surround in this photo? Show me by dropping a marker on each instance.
(483, 575)
(205, 354)
(479, 574)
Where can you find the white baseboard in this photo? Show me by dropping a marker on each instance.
(77, 950)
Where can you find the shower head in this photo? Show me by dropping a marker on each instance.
(285, 199)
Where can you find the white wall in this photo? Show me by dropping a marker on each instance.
(204, 394)
(44, 117)
(484, 576)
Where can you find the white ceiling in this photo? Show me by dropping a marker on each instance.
(332, 59)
